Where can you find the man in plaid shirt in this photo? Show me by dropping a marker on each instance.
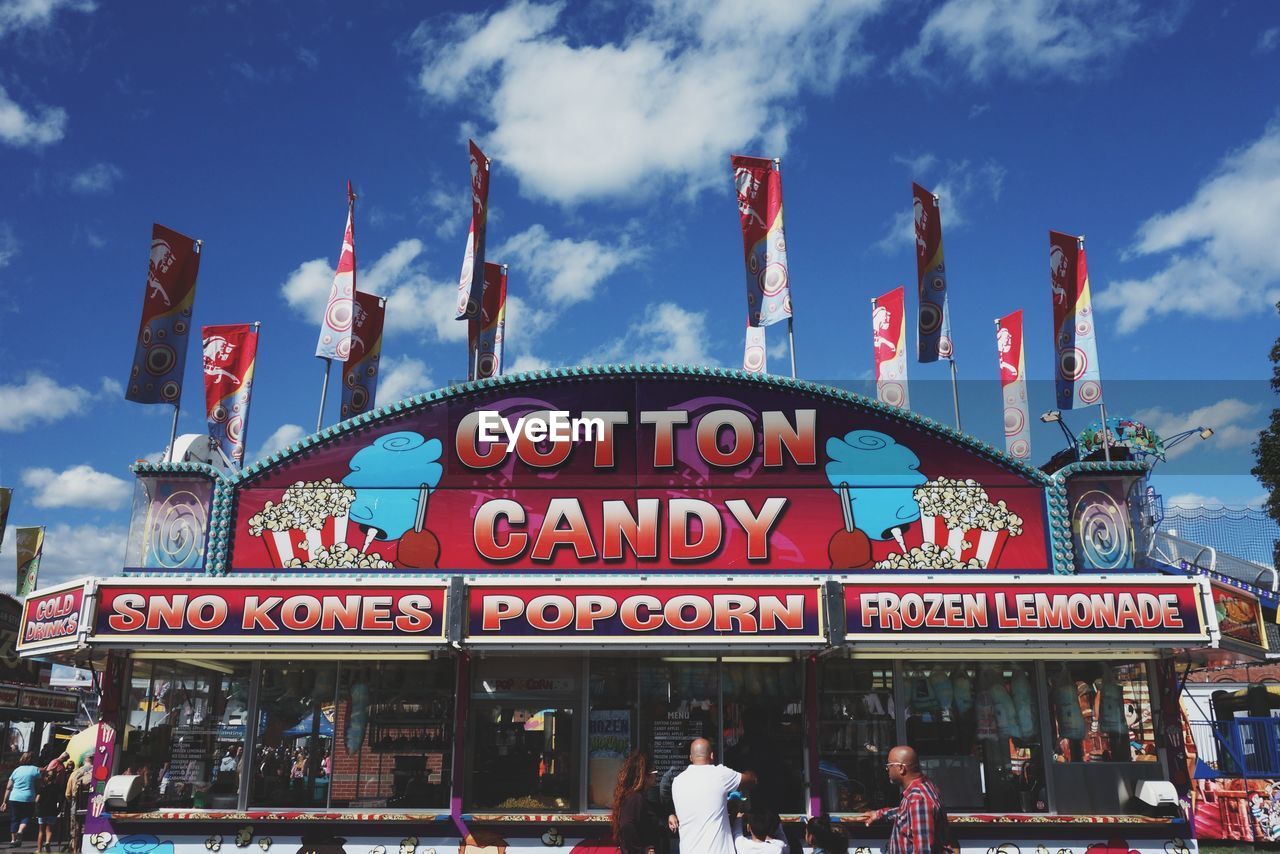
(919, 819)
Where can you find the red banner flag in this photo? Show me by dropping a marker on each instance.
(934, 331)
(360, 373)
(230, 353)
(335, 329)
(471, 282)
(1079, 382)
(889, 340)
(759, 186)
(1013, 386)
(486, 333)
(161, 354)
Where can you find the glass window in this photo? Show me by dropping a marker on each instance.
(1101, 712)
(856, 729)
(611, 727)
(293, 756)
(395, 735)
(679, 701)
(524, 727)
(764, 729)
(977, 729)
(185, 733)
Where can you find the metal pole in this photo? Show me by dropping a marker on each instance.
(324, 392)
(791, 343)
(1106, 437)
(955, 392)
(173, 431)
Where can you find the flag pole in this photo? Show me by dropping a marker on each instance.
(173, 431)
(324, 391)
(955, 392)
(791, 329)
(1106, 435)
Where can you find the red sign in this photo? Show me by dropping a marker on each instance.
(52, 618)
(1021, 610)
(49, 701)
(652, 614)
(8, 695)
(1239, 616)
(144, 613)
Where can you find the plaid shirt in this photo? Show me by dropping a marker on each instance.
(919, 820)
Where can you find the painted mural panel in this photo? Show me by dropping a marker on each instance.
(674, 475)
(1106, 530)
(169, 526)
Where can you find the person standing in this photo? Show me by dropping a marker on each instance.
(701, 797)
(20, 796)
(919, 819)
(48, 805)
(79, 787)
(636, 827)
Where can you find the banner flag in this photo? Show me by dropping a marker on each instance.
(161, 354)
(1079, 382)
(486, 332)
(471, 282)
(230, 353)
(755, 358)
(6, 498)
(1013, 385)
(759, 185)
(934, 331)
(30, 546)
(889, 339)
(335, 329)
(360, 372)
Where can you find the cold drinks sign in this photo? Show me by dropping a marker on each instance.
(652, 473)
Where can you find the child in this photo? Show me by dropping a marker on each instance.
(758, 836)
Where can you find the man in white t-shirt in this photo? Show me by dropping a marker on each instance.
(701, 796)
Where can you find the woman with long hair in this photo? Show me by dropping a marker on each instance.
(636, 826)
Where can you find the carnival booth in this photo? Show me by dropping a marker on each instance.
(415, 630)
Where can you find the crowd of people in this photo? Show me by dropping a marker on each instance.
(52, 796)
(711, 811)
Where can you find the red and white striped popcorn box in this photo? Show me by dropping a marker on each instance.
(965, 543)
(284, 546)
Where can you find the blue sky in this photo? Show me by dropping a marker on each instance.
(1152, 129)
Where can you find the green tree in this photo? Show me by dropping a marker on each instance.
(1267, 449)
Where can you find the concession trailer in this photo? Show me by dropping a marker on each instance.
(397, 634)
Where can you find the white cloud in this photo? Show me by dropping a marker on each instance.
(284, 436)
(1220, 253)
(41, 400)
(21, 14)
(401, 378)
(9, 246)
(1268, 40)
(415, 301)
(98, 178)
(71, 551)
(22, 128)
(957, 184)
(1235, 424)
(527, 362)
(666, 334)
(565, 271)
(78, 486)
(660, 105)
(1032, 38)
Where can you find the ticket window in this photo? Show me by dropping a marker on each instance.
(525, 736)
(764, 728)
(977, 729)
(679, 702)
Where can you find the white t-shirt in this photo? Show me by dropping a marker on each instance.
(751, 846)
(701, 796)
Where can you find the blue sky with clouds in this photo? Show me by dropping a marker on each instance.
(1153, 129)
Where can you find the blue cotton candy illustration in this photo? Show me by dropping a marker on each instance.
(387, 477)
(877, 477)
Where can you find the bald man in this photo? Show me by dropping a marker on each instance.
(701, 797)
(919, 819)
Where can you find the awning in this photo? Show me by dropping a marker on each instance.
(32, 703)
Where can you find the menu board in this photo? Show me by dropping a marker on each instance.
(671, 739)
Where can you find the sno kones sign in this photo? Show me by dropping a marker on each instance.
(657, 472)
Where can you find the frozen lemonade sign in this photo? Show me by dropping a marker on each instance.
(644, 472)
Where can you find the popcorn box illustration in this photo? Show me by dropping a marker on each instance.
(965, 544)
(308, 522)
(304, 545)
